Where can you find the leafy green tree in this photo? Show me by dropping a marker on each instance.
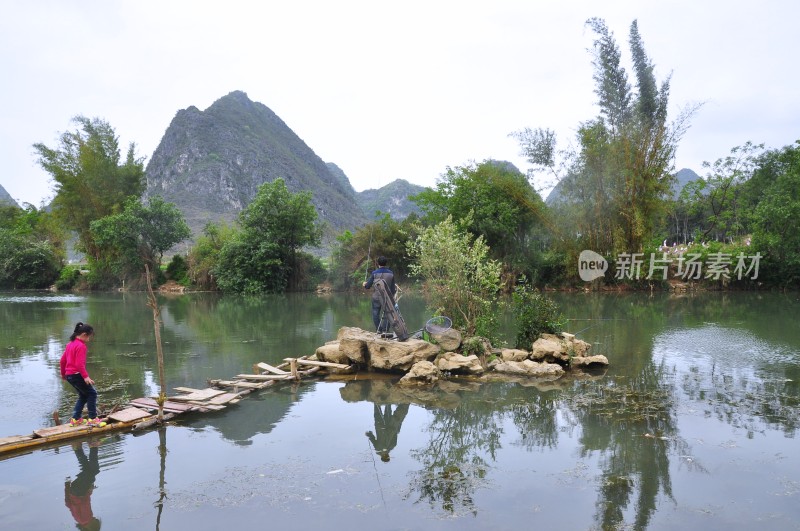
(776, 219)
(31, 248)
(535, 314)
(499, 204)
(458, 275)
(92, 180)
(386, 236)
(178, 270)
(27, 262)
(345, 264)
(718, 200)
(204, 255)
(139, 235)
(263, 256)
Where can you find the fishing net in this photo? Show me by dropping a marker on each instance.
(438, 324)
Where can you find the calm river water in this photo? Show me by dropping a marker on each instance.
(693, 425)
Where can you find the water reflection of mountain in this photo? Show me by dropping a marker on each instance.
(258, 413)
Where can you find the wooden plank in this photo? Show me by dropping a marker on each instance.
(14, 439)
(64, 432)
(186, 389)
(129, 414)
(201, 395)
(323, 364)
(243, 385)
(270, 368)
(172, 407)
(223, 399)
(60, 429)
(262, 377)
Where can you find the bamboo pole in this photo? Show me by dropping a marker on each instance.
(153, 303)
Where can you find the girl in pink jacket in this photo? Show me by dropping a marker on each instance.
(73, 370)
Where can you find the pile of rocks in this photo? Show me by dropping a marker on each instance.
(426, 362)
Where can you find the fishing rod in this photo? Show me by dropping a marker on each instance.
(374, 466)
(592, 325)
(369, 250)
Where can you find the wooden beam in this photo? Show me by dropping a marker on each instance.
(323, 364)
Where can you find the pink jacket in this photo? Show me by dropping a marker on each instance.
(74, 359)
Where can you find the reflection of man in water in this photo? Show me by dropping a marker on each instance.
(387, 428)
(78, 492)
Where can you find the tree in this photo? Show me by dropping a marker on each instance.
(91, 179)
(26, 262)
(492, 200)
(204, 254)
(718, 199)
(353, 252)
(139, 235)
(459, 277)
(31, 248)
(263, 256)
(617, 184)
(776, 219)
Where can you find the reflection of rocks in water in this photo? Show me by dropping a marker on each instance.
(443, 394)
(555, 383)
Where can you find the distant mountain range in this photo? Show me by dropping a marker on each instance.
(682, 178)
(392, 199)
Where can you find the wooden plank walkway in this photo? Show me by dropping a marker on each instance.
(141, 412)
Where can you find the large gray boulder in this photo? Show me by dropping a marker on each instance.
(589, 361)
(529, 368)
(513, 354)
(422, 373)
(576, 347)
(549, 348)
(368, 348)
(449, 339)
(353, 343)
(559, 348)
(391, 355)
(459, 364)
(332, 353)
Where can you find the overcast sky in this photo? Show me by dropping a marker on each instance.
(386, 90)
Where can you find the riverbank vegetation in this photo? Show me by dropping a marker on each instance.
(483, 227)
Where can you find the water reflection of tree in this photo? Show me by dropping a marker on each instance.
(746, 401)
(536, 417)
(633, 424)
(454, 462)
(162, 483)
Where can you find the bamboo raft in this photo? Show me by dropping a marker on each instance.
(141, 413)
